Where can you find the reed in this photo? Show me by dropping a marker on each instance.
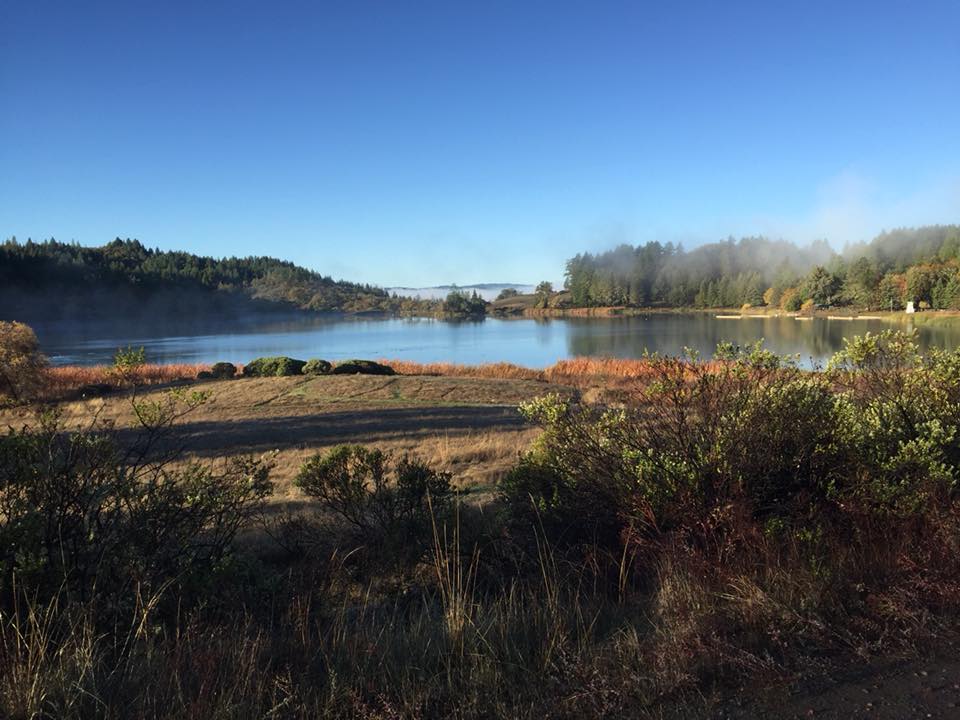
(64, 380)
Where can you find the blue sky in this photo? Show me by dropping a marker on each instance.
(405, 143)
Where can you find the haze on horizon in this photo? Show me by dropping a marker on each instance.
(419, 144)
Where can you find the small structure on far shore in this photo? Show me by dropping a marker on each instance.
(910, 306)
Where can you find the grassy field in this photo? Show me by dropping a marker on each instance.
(468, 426)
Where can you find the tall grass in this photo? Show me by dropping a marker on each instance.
(63, 380)
(556, 642)
(572, 370)
(498, 371)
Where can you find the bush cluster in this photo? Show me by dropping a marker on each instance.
(362, 367)
(88, 518)
(705, 453)
(317, 367)
(273, 367)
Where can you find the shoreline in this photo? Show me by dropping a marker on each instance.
(923, 316)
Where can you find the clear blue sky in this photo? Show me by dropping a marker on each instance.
(420, 143)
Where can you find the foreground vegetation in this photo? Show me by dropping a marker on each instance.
(724, 522)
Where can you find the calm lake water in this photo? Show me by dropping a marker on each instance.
(529, 342)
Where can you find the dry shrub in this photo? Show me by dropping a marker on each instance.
(21, 362)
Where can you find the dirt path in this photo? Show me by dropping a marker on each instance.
(883, 690)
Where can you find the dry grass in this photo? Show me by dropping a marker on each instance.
(571, 371)
(477, 460)
(62, 381)
(497, 371)
(399, 414)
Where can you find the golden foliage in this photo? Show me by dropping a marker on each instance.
(21, 362)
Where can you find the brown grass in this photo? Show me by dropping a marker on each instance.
(602, 376)
(62, 381)
(562, 370)
(496, 371)
(477, 460)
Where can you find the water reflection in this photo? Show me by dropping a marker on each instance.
(814, 340)
(530, 342)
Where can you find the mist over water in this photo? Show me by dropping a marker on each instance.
(528, 342)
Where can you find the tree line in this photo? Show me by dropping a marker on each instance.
(69, 267)
(918, 264)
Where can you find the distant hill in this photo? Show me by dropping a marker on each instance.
(488, 291)
(54, 281)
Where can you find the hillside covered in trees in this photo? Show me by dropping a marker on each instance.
(54, 279)
(922, 265)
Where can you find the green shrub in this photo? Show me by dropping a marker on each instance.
(84, 516)
(750, 439)
(317, 367)
(127, 361)
(273, 367)
(223, 370)
(362, 367)
(385, 504)
(905, 419)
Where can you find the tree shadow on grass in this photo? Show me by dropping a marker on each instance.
(254, 436)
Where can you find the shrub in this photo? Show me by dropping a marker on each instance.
(127, 363)
(700, 449)
(223, 370)
(362, 367)
(558, 487)
(317, 367)
(273, 367)
(906, 420)
(353, 484)
(82, 515)
(204, 375)
(21, 363)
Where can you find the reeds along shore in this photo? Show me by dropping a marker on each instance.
(63, 380)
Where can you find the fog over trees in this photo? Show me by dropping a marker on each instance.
(920, 265)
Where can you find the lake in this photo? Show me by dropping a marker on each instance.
(526, 341)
